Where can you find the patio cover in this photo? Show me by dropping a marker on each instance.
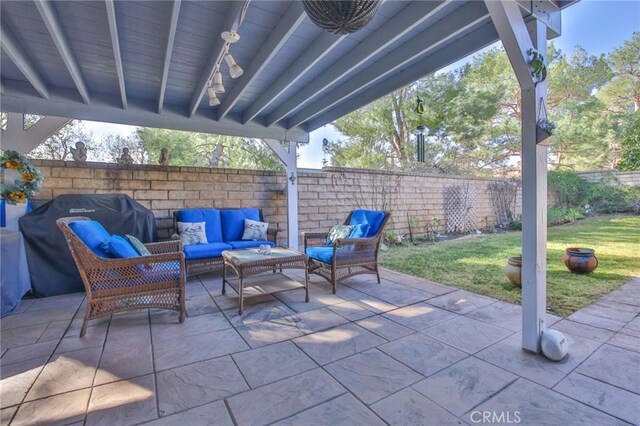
(147, 63)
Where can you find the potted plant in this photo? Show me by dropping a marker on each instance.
(580, 260)
(513, 270)
(544, 130)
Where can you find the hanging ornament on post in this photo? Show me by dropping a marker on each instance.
(544, 127)
(419, 106)
(537, 65)
(420, 144)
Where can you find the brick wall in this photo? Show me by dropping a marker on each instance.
(613, 177)
(325, 197)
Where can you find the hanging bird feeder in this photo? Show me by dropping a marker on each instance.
(341, 17)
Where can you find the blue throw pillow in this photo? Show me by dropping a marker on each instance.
(94, 235)
(120, 247)
(233, 222)
(372, 218)
(359, 231)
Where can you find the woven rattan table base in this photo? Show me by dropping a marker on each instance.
(258, 275)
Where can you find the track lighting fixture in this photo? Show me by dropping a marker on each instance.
(230, 37)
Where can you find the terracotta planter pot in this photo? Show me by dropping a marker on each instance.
(513, 270)
(580, 260)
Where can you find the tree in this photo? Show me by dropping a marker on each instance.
(473, 117)
(195, 149)
(622, 99)
(622, 94)
(583, 138)
(630, 146)
(57, 146)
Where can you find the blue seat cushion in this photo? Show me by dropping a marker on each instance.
(321, 253)
(211, 217)
(233, 222)
(237, 245)
(372, 218)
(203, 251)
(121, 248)
(94, 235)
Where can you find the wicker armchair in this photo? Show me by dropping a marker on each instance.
(116, 285)
(350, 256)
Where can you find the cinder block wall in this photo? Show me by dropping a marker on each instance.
(325, 197)
(612, 177)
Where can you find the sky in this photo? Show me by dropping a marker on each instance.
(597, 25)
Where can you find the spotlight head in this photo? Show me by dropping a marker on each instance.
(213, 100)
(218, 87)
(234, 69)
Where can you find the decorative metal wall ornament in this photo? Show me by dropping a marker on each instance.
(341, 17)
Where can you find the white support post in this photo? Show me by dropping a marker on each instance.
(534, 208)
(16, 138)
(289, 159)
(517, 38)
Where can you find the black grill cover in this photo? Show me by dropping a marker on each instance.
(51, 266)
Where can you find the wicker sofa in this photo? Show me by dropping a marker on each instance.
(121, 284)
(347, 256)
(224, 229)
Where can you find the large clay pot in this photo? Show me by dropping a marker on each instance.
(580, 260)
(513, 270)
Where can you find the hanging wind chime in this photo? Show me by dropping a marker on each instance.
(420, 130)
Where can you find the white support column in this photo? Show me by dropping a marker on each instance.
(517, 38)
(16, 138)
(289, 159)
(534, 208)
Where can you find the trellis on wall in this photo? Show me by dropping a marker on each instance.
(460, 202)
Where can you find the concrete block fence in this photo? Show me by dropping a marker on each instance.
(325, 196)
(613, 177)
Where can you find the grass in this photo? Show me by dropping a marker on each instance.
(476, 264)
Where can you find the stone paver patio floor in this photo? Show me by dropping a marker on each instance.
(407, 351)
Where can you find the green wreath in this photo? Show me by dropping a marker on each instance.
(21, 189)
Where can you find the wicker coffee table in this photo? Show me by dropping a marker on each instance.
(260, 274)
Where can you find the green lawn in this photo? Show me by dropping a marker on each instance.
(476, 264)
